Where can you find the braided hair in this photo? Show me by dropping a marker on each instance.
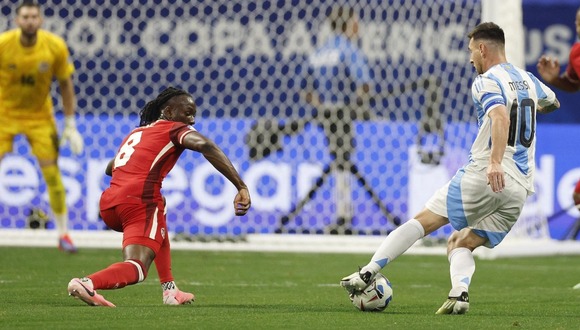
(152, 110)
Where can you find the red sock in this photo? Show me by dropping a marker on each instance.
(119, 275)
(163, 262)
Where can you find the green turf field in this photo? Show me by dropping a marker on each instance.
(286, 291)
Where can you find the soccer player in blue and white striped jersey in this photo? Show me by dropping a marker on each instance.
(485, 197)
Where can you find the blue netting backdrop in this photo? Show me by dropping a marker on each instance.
(241, 60)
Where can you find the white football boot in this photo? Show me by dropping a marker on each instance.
(455, 305)
(356, 282)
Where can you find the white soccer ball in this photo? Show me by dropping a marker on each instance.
(375, 297)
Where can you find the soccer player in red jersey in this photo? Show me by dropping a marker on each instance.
(133, 204)
(574, 231)
(576, 194)
(549, 68)
(569, 81)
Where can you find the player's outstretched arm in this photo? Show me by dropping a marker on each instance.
(549, 70)
(197, 142)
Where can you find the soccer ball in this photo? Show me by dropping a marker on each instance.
(375, 297)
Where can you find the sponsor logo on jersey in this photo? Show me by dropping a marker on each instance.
(43, 67)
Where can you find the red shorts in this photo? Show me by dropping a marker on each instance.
(141, 224)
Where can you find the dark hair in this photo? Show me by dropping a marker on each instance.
(339, 18)
(27, 3)
(488, 31)
(152, 110)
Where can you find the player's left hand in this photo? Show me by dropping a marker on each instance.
(72, 135)
(548, 68)
(242, 201)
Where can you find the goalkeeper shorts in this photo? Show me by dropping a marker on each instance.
(40, 133)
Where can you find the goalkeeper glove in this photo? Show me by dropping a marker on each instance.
(72, 135)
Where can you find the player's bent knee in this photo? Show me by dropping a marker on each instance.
(452, 240)
(430, 221)
(464, 238)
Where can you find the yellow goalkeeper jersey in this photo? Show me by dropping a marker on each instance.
(26, 74)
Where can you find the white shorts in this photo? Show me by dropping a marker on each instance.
(468, 201)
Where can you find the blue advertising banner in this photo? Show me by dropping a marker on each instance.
(200, 200)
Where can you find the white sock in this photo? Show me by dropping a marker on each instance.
(61, 221)
(168, 286)
(461, 269)
(395, 244)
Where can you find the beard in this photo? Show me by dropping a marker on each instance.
(29, 33)
(477, 69)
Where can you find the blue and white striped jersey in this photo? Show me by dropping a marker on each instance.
(521, 93)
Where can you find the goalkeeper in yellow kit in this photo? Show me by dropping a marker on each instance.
(30, 58)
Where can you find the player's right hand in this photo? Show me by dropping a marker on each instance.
(242, 201)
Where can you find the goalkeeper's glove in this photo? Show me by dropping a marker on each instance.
(72, 135)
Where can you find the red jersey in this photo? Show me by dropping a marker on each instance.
(146, 155)
(573, 69)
